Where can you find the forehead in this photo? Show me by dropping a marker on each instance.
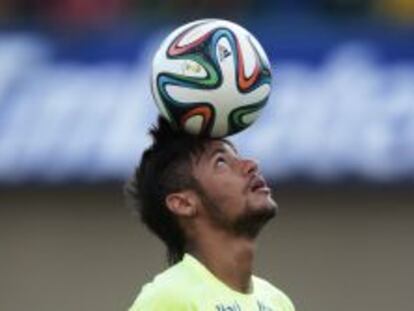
(214, 146)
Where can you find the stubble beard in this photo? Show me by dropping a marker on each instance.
(248, 224)
(252, 222)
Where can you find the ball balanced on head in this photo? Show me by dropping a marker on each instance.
(211, 78)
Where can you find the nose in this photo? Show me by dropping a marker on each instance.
(249, 166)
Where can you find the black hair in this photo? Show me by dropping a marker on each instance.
(165, 167)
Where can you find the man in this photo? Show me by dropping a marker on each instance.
(207, 204)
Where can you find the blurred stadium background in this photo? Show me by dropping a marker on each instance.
(336, 139)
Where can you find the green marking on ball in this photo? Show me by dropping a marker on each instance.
(212, 78)
(236, 116)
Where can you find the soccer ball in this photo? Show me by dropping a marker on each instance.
(210, 78)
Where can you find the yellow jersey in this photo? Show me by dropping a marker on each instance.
(190, 286)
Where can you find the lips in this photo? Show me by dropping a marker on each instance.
(257, 183)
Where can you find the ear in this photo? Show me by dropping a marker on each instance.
(182, 203)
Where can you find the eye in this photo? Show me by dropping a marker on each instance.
(220, 161)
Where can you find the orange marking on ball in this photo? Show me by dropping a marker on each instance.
(205, 112)
(245, 82)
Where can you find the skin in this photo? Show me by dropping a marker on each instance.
(222, 218)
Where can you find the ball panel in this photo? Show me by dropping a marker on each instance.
(184, 95)
(177, 32)
(198, 120)
(175, 49)
(261, 53)
(180, 107)
(245, 83)
(223, 47)
(242, 117)
(160, 102)
(194, 33)
(261, 73)
(246, 50)
(188, 69)
(196, 63)
(194, 125)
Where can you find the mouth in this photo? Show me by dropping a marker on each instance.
(257, 183)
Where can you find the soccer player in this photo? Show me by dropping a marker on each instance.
(207, 204)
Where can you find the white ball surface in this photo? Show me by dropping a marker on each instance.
(211, 77)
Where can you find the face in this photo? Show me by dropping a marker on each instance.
(233, 192)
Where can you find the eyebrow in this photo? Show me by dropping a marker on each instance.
(216, 151)
(221, 149)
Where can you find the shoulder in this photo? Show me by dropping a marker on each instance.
(274, 293)
(154, 299)
(168, 291)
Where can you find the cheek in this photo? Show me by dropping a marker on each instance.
(229, 195)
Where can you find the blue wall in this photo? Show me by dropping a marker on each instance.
(78, 109)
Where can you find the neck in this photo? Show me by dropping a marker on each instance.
(230, 259)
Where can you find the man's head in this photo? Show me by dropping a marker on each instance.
(185, 183)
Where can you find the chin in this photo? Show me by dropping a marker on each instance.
(262, 203)
(267, 211)
(262, 209)
(255, 217)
